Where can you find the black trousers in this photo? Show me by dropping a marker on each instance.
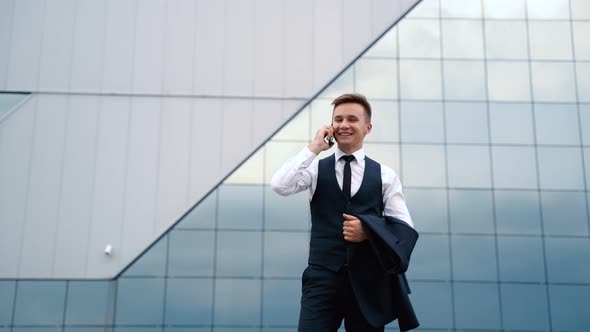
(326, 299)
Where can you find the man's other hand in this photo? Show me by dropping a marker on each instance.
(353, 229)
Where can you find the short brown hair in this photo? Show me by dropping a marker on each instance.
(356, 98)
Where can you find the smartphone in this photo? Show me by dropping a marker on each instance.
(329, 140)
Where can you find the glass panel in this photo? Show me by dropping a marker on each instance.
(580, 9)
(550, 40)
(9, 100)
(477, 306)
(432, 303)
(36, 329)
(471, 211)
(569, 308)
(285, 253)
(6, 301)
(427, 31)
(506, 39)
(153, 261)
(511, 123)
(548, 9)
(420, 79)
(557, 124)
(343, 84)
(466, 123)
(386, 46)
(39, 303)
(564, 213)
(191, 253)
(203, 215)
(474, 257)
(239, 254)
(422, 122)
(83, 329)
(433, 219)
(521, 259)
(139, 301)
(281, 302)
(514, 167)
(581, 42)
(250, 172)
(553, 81)
(423, 165)
(461, 8)
(430, 258)
(385, 119)
(386, 154)
(240, 207)
(567, 260)
(188, 301)
(464, 80)
(504, 8)
(518, 212)
(561, 168)
(583, 76)
(237, 302)
(426, 8)
(462, 39)
(286, 213)
(297, 129)
(469, 166)
(280, 152)
(524, 307)
(376, 78)
(508, 81)
(98, 311)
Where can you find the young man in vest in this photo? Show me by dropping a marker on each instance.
(340, 186)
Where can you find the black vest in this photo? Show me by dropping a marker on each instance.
(327, 245)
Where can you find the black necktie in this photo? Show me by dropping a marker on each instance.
(347, 175)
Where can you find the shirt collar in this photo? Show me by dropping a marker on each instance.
(358, 154)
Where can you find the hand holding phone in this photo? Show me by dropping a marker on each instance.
(329, 140)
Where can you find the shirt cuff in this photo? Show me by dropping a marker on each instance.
(306, 156)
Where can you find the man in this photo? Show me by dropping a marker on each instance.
(341, 186)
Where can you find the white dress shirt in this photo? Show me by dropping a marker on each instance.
(300, 173)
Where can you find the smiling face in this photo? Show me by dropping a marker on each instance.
(350, 126)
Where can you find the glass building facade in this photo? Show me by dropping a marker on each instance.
(483, 109)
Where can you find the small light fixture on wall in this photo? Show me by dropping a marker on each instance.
(108, 250)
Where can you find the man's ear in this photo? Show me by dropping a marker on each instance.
(369, 127)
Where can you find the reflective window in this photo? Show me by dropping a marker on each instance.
(508, 81)
(428, 31)
(560, 168)
(461, 8)
(430, 259)
(377, 78)
(474, 257)
(139, 301)
(569, 307)
(153, 262)
(548, 9)
(285, 253)
(466, 123)
(580, 9)
(99, 311)
(281, 301)
(524, 307)
(240, 207)
(514, 167)
(385, 119)
(343, 84)
(433, 301)
(46, 297)
(188, 301)
(564, 213)
(477, 306)
(469, 166)
(385, 154)
(6, 301)
(464, 80)
(553, 81)
(557, 124)
(279, 152)
(505, 8)
(238, 254)
(422, 122)
(286, 213)
(386, 46)
(462, 39)
(191, 253)
(581, 43)
(8, 101)
(511, 123)
(550, 40)
(513, 251)
(471, 211)
(583, 73)
(237, 302)
(427, 8)
(297, 129)
(433, 219)
(506, 39)
(567, 259)
(420, 79)
(203, 215)
(517, 212)
(423, 165)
